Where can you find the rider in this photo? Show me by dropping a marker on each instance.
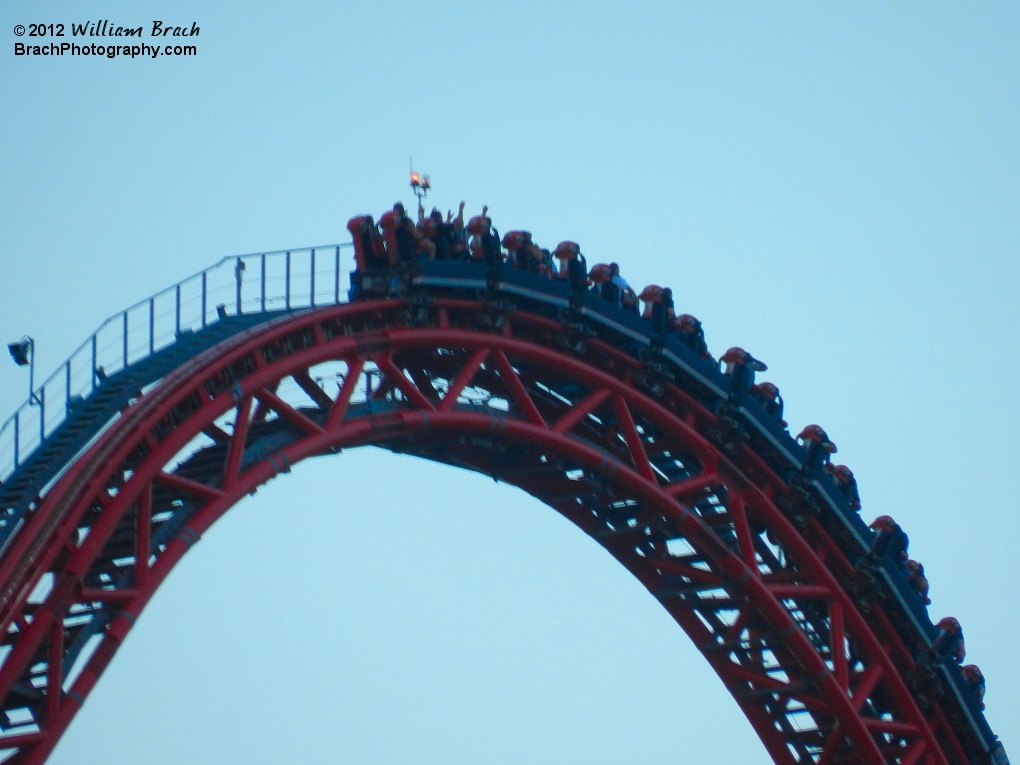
(817, 446)
(658, 307)
(410, 240)
(689, 331)
(618, 280)
(484, 245)
(601, 276)
(949, 643)
(650, 295)
(629, 301)
(767, 395)
(513, 243)
(573, 267)
(546, 265)
(369, 247)
(535, 256)
(890, 539)
(663, 314)
(425, 224)
(976, 681)
(524, 254)
(440, 233)
(917, 579)
(844, 479)
(741, 366)
(458, 240)
(403, 239)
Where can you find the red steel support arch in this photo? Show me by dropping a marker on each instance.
(761, 593)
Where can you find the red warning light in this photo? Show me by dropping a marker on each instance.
(420, 184)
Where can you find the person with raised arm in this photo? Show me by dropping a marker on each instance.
(484, 245)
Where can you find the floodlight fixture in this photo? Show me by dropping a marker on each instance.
(23, 353)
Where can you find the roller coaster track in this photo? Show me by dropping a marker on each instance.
(638, 441)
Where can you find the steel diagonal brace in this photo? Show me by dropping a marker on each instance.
(697, 575)
(261, 409)
(868, 680)
(633, 439)
(743, 531)
(343, 399)
(311, 389)
(399, 379)
(143, 528)
(837, 649)
(890, 726)
(770, 685)
(800, 591)
(914, 752)
(194, 488)
(108, 596)
(235, 450)
(54, 669)
(463, 379)
(688, 486)
(581, 409)
(517, 390)
(287, 412)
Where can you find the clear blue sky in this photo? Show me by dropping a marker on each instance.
(831, 186)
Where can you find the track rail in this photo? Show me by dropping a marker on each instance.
(699, 495)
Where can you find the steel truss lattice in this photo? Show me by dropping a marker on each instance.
(734, 549)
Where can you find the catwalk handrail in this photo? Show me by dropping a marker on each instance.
(285, 279)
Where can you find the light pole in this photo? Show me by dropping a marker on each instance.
(23, 353)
